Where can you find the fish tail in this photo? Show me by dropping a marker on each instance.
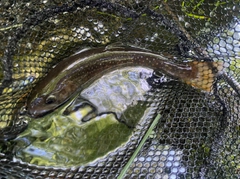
(205, 73)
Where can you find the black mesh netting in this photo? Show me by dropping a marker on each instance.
(197, 135)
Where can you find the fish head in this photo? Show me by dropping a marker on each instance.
(45, 103)
(41, 105)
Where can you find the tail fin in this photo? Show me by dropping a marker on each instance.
(205, 74)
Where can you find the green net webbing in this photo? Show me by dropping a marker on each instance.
(197, 134)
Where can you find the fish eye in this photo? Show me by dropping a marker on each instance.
(50, 99)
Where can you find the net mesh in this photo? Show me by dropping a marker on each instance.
(197, 135)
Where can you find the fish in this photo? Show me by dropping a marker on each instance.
(73, 74)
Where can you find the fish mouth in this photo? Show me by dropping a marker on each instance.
(38, 108)
(36, 113)
(39, 111)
